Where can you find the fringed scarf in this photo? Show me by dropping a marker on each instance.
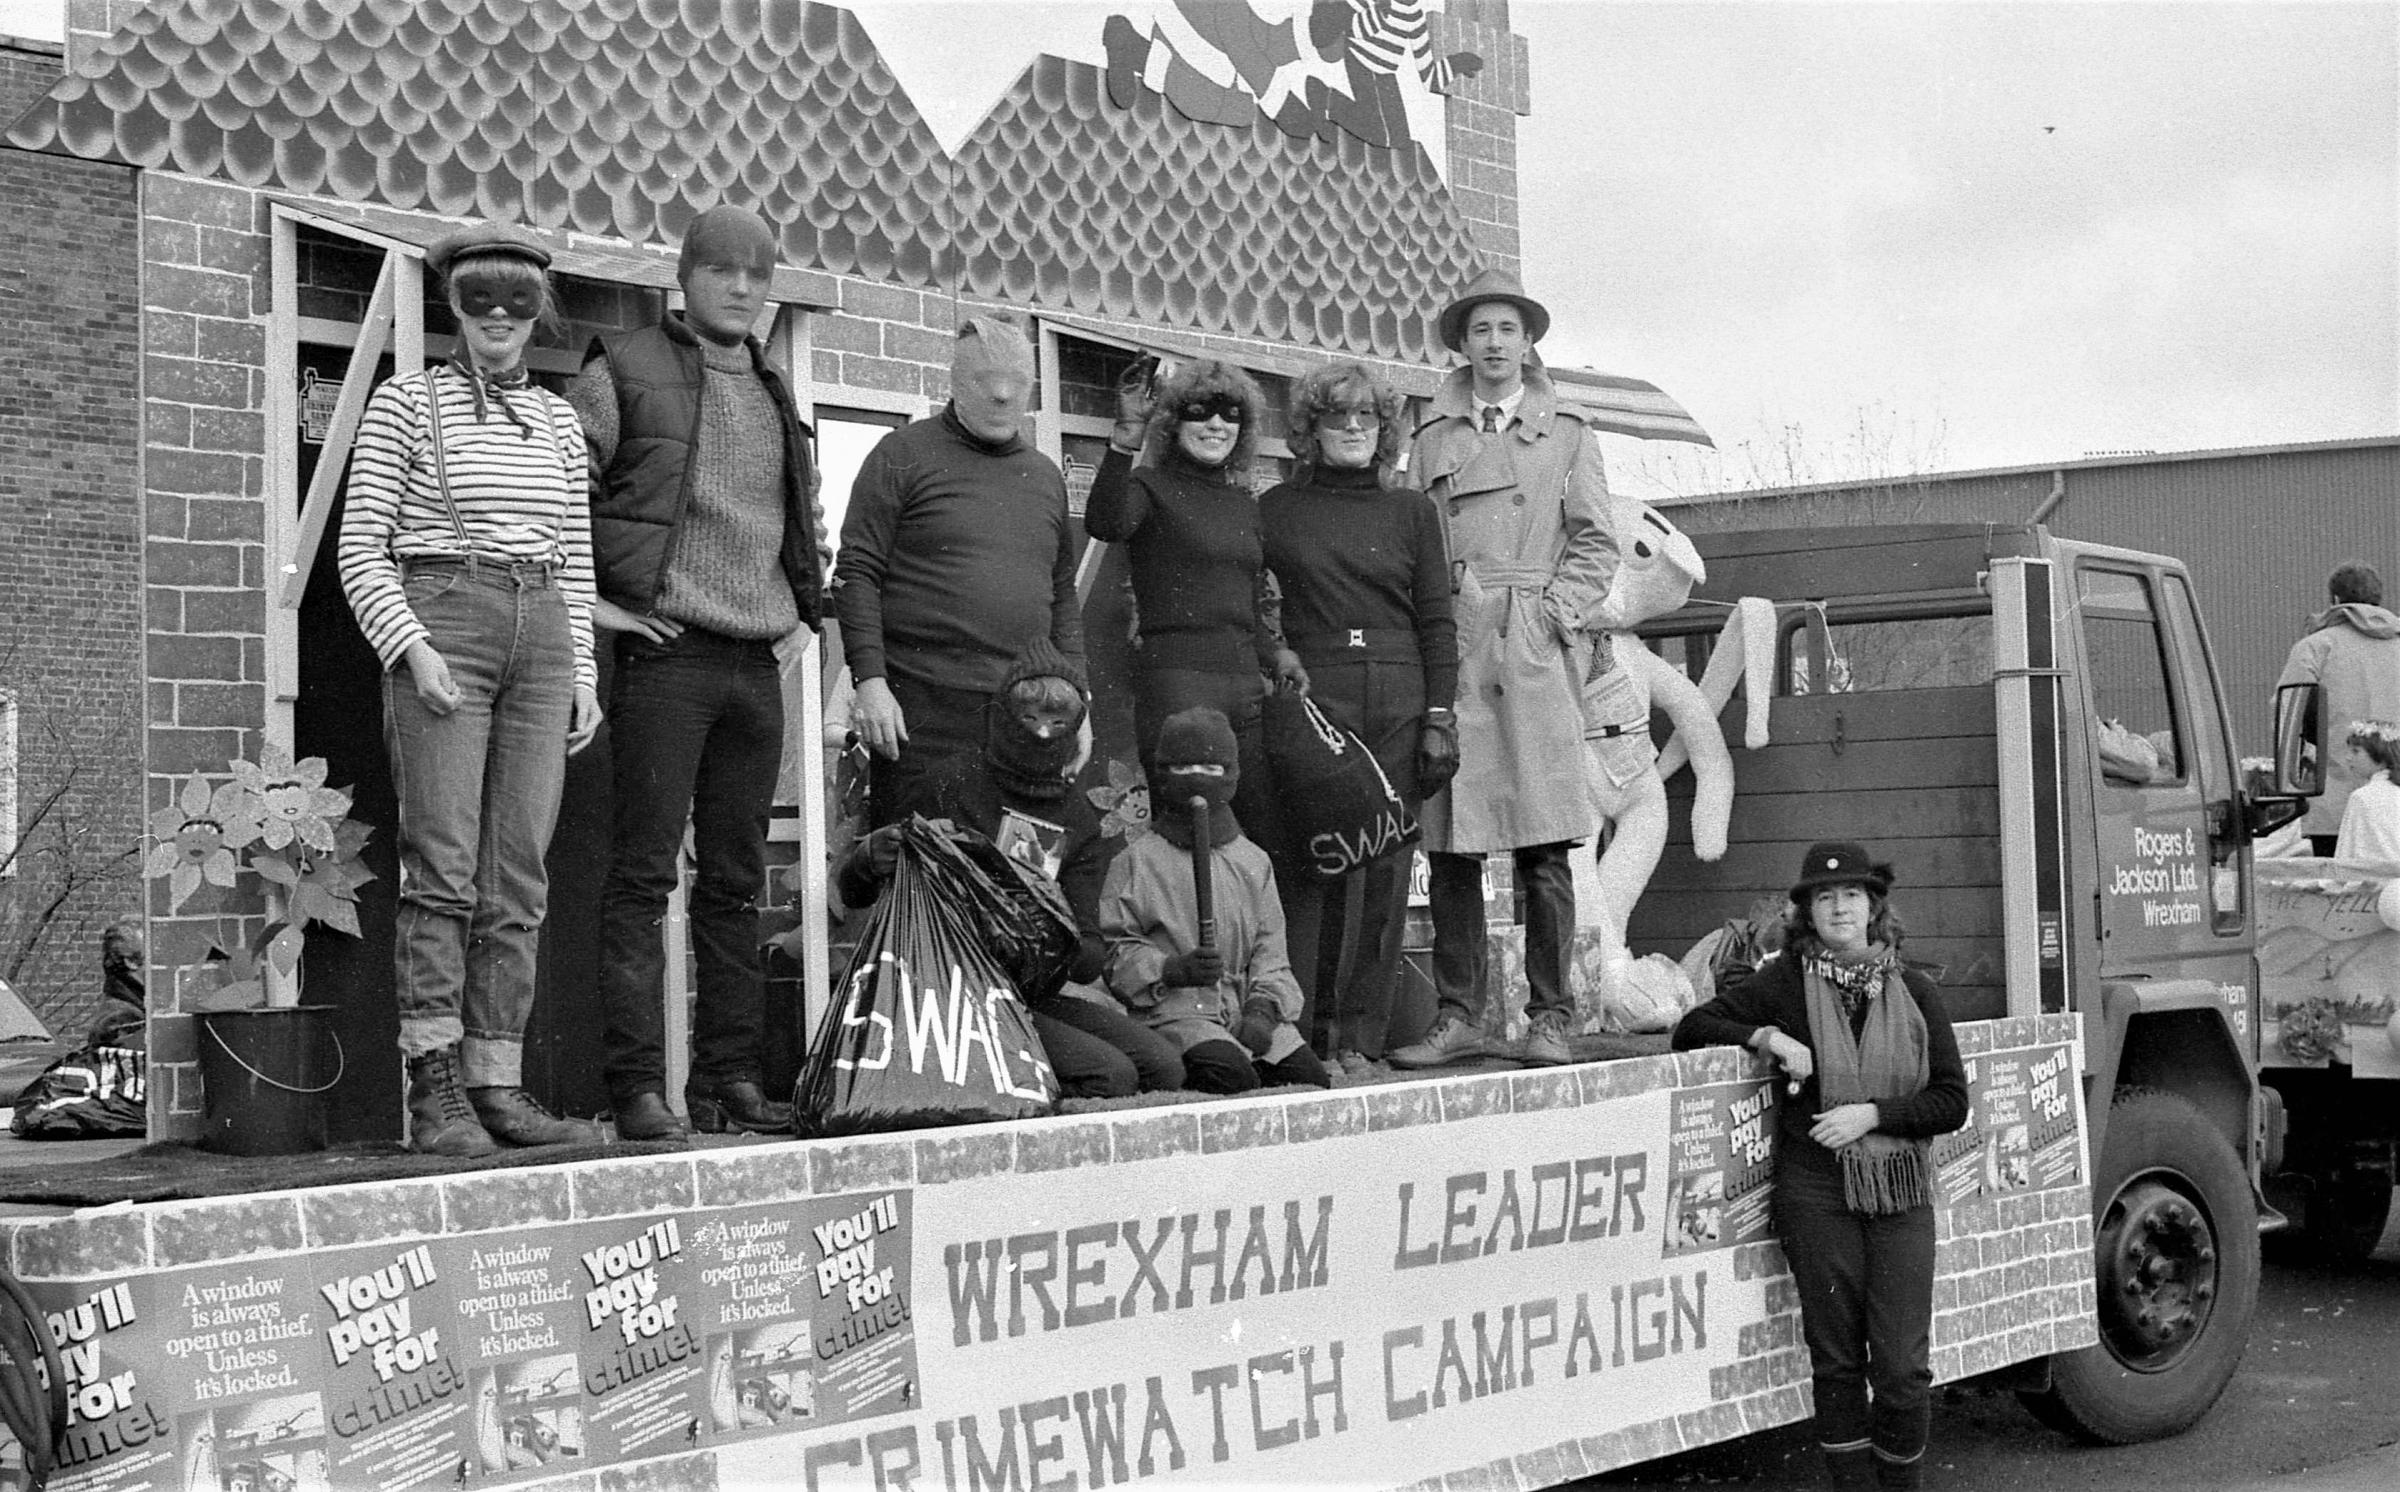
(1887, 1059)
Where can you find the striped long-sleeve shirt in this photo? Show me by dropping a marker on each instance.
(1387, 35)
(520, 490)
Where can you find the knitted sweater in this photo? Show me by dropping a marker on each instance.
(1192, 539)
(956, 552)
(1777, 995)
(1350, 553)
(726, 574)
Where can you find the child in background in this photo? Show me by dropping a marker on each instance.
(1230, 1008)
(2371, 820)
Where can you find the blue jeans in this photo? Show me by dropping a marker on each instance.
(478, 790)
(696, 726)
(1460, 953)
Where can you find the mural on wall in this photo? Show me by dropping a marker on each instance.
(1321, 221)
(1326, 65)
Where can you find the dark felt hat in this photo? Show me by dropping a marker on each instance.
(1196, 737)
(503, 239)
(1839, 863)
(1492, 284)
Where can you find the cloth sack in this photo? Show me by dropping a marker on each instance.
(1340, 811)
(928, 1025)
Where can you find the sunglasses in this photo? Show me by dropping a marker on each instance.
(1224, 407)
(480, 295)
(1349, 419)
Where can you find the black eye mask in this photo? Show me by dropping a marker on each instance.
(1227, 407)
(479, 294)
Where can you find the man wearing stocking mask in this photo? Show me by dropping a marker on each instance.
(1018, 794)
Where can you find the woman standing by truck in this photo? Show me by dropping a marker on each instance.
(1872, 1074)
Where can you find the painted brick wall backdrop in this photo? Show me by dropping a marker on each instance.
(70, 558)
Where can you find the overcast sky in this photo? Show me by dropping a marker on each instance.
(1916, 236)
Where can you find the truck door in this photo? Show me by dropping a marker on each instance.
(2172, 901)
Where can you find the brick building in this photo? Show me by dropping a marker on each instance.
(268, 178)
(70, 561)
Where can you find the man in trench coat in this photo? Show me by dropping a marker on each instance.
(1518, 481)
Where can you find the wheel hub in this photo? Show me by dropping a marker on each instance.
(2158, 1275)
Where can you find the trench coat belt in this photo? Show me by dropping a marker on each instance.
(1514, 579)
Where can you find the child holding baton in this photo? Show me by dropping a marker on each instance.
(1201, 957)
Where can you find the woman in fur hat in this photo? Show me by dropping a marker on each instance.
(1872, 1074)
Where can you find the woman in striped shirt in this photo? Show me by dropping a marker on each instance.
(466, 553)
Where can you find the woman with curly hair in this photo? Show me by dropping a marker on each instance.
(1366, 615)
(1871, 1075)
(1189, 524)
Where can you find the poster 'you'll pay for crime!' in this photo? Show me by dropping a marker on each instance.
(489, 1359)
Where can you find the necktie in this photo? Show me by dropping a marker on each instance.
(1491, 419)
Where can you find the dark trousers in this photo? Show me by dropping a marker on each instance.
(1161, 692)
(1460, 952)
(1866, 1309)
(1228, 1067)
(1345, 935)
(1098, 1051)
(697, 730)
(942, 723)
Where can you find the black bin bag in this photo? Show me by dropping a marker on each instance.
(927, 1026)
(1339, 809)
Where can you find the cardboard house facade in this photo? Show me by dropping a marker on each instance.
(263, 178)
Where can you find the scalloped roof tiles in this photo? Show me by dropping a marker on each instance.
(626, 118)
(619, 118)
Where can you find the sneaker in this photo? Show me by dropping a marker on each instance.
(1450, 1040)
(513, 1117)
(1546, 1041)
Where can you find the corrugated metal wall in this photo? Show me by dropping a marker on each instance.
(2260, 531)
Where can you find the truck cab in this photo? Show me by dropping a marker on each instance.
(2033, 732)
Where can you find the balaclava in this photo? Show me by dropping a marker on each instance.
(1195, 738)
(1023, 762)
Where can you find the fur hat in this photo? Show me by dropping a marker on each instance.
(1492, 284)
(1197, 737)
(1839, 863)
(726, 234)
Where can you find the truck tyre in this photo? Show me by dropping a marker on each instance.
(2175, 1243)
(2345, 1213)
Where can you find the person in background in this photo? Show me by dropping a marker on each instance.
(705, 528)
(1517, 479)
(1230, 1006)
(2371, 821)
(1871, 1074)
(466, 555)
(2353, 651)
(1366, 612)
(1018, 793)
(1190, 527)
(957, 551)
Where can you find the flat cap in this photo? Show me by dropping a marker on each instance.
(485, 238)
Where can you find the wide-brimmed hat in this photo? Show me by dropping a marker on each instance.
(503, 239)
(1492, 284)
(1839, 863)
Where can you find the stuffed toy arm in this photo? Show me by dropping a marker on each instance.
(1697, 732)
(1744, 656)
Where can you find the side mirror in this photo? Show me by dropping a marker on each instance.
(2299, 741)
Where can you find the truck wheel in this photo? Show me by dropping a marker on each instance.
(2175, 1239)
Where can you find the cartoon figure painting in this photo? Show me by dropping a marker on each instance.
(1309, 66)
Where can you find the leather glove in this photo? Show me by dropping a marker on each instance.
(883, 851)
(1290, 676)
(1202, 968)
(1437, 755)
(1133, 407)
(1257, 1029)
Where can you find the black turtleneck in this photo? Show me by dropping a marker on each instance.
(1192, 538)
(1349, 552)
(956, 552)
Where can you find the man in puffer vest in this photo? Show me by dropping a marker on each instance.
(705, 540)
